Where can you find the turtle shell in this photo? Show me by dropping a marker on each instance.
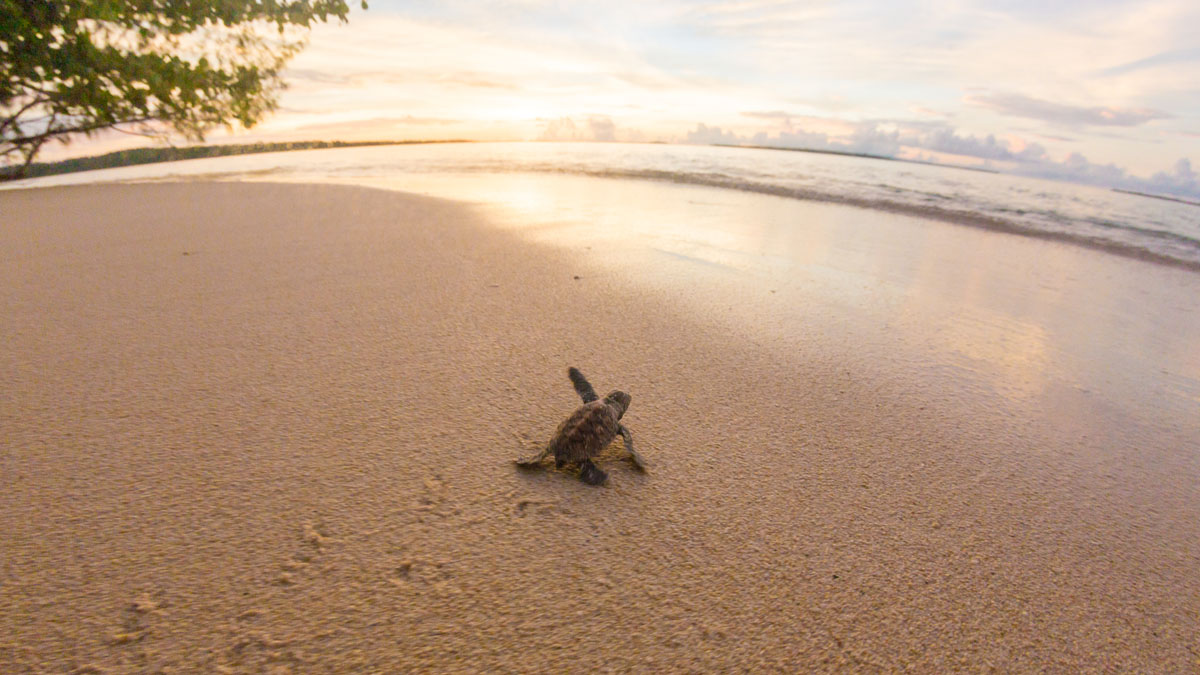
(585, 433)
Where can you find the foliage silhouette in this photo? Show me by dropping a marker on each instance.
(149, 67)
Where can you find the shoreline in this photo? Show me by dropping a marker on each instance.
(256, 425)
(949, 216)
(160, 155)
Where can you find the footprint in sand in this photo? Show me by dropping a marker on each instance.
(256, 651)
(434, 495)
(314, 538)
(135, 618)
(402, 574)
(424, 575)
(526, 506)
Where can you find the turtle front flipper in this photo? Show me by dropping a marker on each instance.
(591, 474)
(628, 438)
(582, 386)
(532, 461)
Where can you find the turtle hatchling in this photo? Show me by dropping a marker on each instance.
(588, 431)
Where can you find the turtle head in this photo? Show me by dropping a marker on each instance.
(619, 401)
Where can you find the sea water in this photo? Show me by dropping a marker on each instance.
(1134, 225)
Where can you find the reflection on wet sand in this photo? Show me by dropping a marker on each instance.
(992, 312)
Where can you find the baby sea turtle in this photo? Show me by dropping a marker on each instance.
(588, 431)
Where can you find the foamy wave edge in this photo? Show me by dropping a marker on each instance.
(968, 218)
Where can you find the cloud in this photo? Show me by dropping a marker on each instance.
(865, 139)
(1182, 180)
(898, 140)
(1052, 137)
(1018, 105)
(315, 75)
(478, 81)
(596, 128)
(928, 112)
(706, 135)
(803, 140)
(883, 138)
(602, 129)
(1172, 57)
(946, 140)
(770, 115)
(1076, 168)
(375, 124)
(869, 139)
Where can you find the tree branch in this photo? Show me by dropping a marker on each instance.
(84, 129)
(12, 121)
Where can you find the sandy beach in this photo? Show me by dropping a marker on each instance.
(270, 428)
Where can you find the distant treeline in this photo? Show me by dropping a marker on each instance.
(1181, 200)
(863, 155)
(151, 155)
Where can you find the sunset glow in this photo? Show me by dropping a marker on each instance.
(1088, 91)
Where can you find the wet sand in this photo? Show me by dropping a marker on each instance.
(269, 428)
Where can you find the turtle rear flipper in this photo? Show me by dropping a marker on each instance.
(582, 386)
(638, 462)
(532, 461)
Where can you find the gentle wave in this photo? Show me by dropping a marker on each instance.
(1173, 249)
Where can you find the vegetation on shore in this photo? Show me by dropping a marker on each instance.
(74, 69)
(1151, 195)
(864, 155)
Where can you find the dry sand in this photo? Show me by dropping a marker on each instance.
(265, 428)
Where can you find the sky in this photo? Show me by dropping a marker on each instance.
(1096, 91)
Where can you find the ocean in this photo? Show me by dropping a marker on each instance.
(1127, 224)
